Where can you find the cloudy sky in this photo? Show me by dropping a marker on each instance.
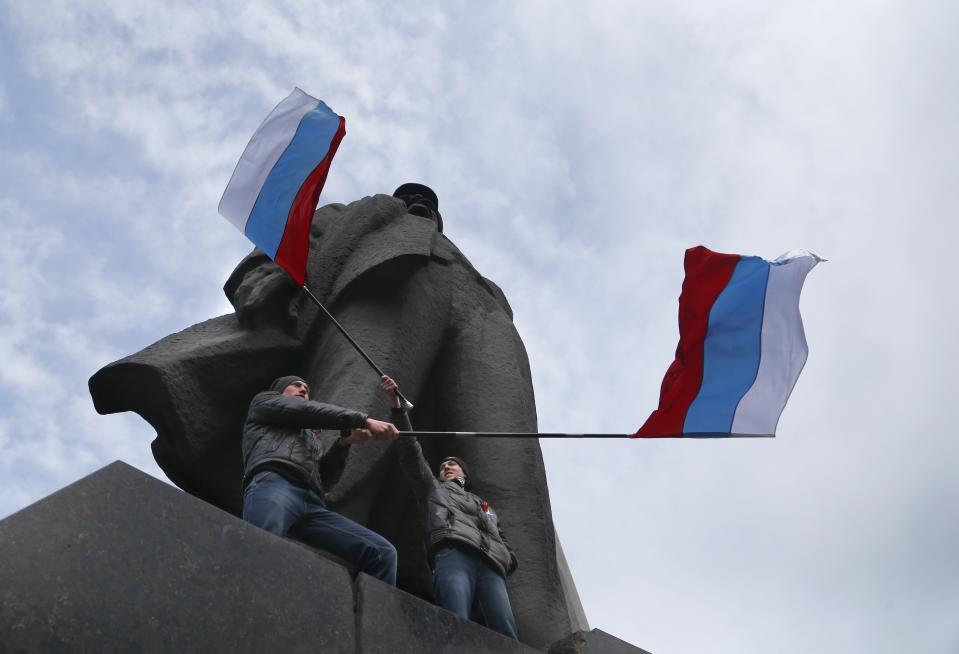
(577, 150)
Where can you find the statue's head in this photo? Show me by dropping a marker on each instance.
(291, 386)
(420, 201)
(452, 467)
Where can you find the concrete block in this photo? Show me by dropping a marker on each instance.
(119, 561)
(390, 621)
(596, 641)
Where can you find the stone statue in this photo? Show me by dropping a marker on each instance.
(409, 297)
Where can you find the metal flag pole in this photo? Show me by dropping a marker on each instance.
(406, 403)
(532, 434)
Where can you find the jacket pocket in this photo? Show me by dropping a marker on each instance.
(443, 518)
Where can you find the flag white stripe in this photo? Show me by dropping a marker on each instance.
(262, 152)
(783, 348)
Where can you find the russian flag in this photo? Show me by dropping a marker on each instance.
(277, 182)
(741, 346)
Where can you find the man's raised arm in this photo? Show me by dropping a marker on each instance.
(413, 463)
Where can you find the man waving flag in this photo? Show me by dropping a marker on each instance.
(277, 182)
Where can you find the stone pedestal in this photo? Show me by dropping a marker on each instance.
(119, 561)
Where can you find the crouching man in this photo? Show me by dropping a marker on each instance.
(283, 491)
(466, 548)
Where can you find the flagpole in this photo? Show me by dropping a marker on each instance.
(406, 403)
(532, 434)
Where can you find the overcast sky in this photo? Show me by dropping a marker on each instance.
(577, 150)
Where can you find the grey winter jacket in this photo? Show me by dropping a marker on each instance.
(279, 434)
(454, 516)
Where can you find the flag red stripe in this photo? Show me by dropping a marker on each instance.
(707, 274)
(291, 255)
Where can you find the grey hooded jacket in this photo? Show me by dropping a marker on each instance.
(454, 515)
(279, 434)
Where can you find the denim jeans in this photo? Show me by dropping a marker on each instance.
(464, 583)
(272, 502)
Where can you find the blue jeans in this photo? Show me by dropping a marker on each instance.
(463, 583)
(272, 502)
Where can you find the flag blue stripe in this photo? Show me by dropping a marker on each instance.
(732, 351)
(308, 147)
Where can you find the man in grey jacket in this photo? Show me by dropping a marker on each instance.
(282, 460)
(466, 548)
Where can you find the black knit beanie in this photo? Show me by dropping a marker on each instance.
(280, 383)
(468, 485)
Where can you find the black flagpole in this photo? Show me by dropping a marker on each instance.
(406, 403)
(533, 434)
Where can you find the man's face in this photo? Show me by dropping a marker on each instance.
(419, 205)
(297, 389)
(450, 469)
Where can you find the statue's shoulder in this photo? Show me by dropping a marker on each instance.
(354, 221)
(444, 249)
(348, 240)
(369, 206)
(498, 295)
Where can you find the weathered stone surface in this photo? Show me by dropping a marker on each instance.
(119, 561)
(392, 622)
(596, 641)
(421, 310)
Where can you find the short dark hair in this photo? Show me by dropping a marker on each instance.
(280, 383)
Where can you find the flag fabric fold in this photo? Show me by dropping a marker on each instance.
(741, 346)
(277, 182)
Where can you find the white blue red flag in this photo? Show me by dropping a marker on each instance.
(741, 346)
(277, 182)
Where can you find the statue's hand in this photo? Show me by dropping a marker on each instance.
(267, 294)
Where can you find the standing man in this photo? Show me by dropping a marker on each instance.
(467, 551)
(282, 488)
